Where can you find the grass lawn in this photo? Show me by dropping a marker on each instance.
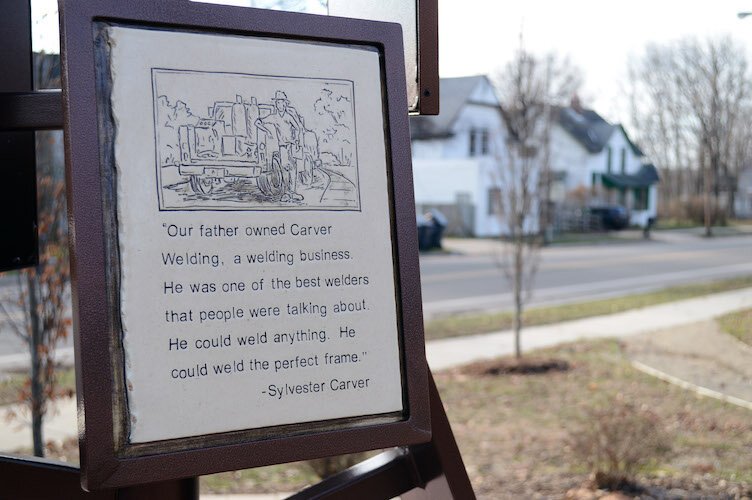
(515, 431)
(668, 223)
(14, 382)
(469, 324)
(738, 324)
(10, 388)
(592, 238)
(665, 223)
(273, 479)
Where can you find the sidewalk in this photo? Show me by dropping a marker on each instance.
(699, 357)
(447, 353)
(493, 246)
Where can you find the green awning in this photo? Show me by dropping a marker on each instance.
(645, 177)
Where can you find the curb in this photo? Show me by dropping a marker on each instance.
(702, 391)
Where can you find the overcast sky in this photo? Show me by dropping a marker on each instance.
(599, 36)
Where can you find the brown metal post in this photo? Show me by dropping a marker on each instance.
(18, 228)
(428, 56)
(453, 481)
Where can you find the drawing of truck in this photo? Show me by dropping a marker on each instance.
(232, 144)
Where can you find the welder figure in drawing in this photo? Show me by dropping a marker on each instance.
(287, 126)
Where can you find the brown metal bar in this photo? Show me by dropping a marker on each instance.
(386, 475)
(453, 483)
(429, 471)
(41, 110)
(18, 205)
(35, 478)
(428, 56)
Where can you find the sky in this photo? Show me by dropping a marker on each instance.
(598, 36)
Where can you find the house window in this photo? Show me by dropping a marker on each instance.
(484, 137)
(640, 199)
(609, 153)
(623, 160)
(480, 142)
(495, 206)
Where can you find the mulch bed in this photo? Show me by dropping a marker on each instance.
(507, 366)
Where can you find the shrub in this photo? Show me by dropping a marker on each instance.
(692, 210)
(614, 440)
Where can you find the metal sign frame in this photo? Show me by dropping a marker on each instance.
(106, 459)
(428, 57)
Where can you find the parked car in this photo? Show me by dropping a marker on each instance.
(612, 217)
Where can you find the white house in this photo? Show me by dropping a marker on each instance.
(593, 157)
(457, 155)
(743, 196)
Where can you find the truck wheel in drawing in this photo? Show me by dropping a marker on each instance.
(271, 182)
(202, 185)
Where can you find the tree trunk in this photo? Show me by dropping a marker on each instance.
(708, 202)
(518, 270)
(37, 389)
(731, 202)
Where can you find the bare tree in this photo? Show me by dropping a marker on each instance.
(529, 89)
(691, 101)
(43, 288)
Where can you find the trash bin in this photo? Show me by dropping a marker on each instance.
(439, 223)
(425, 230)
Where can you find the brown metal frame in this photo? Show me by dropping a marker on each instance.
(428, 57)
(94, 271)
(18, 204)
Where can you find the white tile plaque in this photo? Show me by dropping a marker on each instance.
(257, 273)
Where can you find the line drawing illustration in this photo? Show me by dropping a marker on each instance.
(263, 143)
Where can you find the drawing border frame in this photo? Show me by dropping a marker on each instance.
(161, 187)
(107, 461)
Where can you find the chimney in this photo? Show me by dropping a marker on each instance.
(576, 104)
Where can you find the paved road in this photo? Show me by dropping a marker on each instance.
(476, 281)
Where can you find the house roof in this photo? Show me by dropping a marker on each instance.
(586, 126)
(646, 176)
(590, 129)
(453, 94)
(635, 149)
